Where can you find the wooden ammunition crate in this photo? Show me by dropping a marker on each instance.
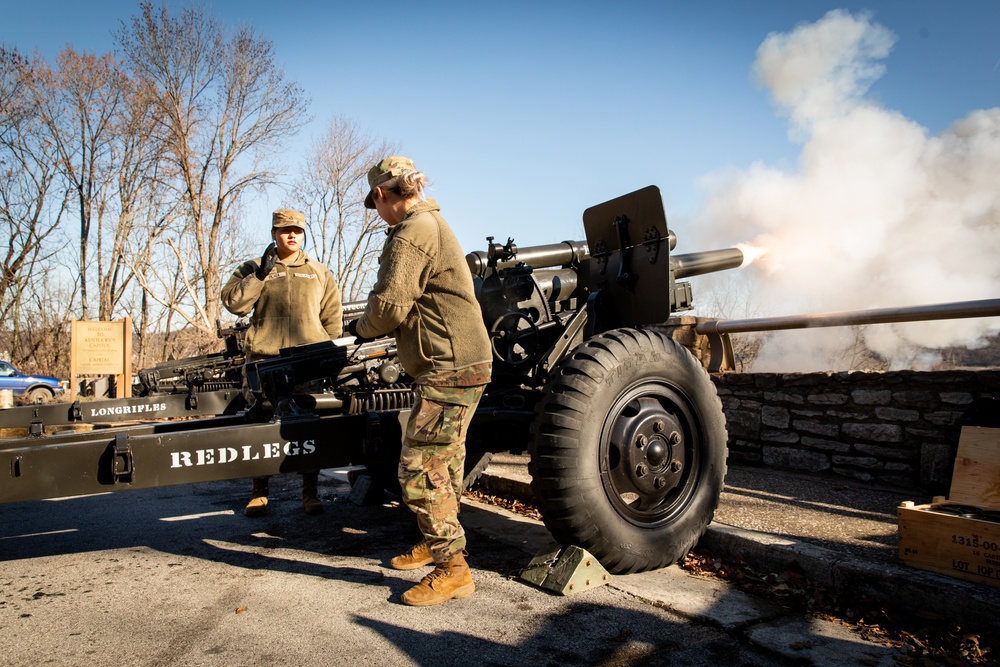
(961, 546)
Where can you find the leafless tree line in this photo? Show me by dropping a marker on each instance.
(124, 178)
(728, 295)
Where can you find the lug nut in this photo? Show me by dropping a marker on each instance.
(674, 438)
(675, 466)
(641, 469)
(658, 425)
(658, 483)
(641, 441)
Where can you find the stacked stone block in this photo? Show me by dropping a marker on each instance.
(895, 428)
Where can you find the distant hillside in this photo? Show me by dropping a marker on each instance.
(961, 357)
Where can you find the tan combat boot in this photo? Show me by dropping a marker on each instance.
(310, 499)
(416, 557)
(258, 498)
(451, 579)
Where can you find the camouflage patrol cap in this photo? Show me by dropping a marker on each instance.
(389, 168)
(286, 217)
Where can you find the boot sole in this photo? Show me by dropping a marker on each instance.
(463, 592)
(255, 510)
(411, 566)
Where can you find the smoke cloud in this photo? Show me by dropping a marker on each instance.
(877, 213)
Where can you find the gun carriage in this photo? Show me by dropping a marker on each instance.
(625, 431)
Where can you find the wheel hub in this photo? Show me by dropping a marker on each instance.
(657, 452)
(653, 461)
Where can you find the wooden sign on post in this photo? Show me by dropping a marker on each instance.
(102, 348)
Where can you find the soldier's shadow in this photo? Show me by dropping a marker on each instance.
(206, 521)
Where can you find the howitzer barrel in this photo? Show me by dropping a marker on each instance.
(574, 252)
(571, 252)
(708, 261)
(538, 257)
(938, 311)
(556, 284)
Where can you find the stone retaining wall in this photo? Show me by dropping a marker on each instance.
(894, 428)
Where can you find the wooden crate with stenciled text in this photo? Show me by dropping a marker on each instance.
(960, 536)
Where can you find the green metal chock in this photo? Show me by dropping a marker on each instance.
(565, 570)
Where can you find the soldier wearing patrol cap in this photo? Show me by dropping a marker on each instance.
(424, 297)
(295, 301)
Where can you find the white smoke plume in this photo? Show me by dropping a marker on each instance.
(877, 213)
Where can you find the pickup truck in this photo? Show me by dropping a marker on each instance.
(34, 388)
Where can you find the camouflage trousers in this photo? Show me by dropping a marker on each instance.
(432, 463)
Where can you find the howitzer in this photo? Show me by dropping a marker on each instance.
(210, 372)
(203, 373)
(355, 381)
(189, 387)
(625, 430)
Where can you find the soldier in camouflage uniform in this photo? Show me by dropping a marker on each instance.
(424, 297)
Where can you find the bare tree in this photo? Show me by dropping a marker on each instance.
(331, 188)
(77, 103)
(729, 295)
(138, 207)
(42, 343)
(225, 110)
(856, 355)
(31, 201)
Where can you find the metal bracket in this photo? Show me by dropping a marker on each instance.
(624, 278)
(76, 412)
(721, 355)
(122, 465)
(596, 307)
(497, 253)
(651, 240)
(192, 401)
(601, 253)
(558, 349)
(565, 570)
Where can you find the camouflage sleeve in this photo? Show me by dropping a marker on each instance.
(240, 294)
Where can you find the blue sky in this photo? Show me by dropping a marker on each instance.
(562, 105)
(523, 114)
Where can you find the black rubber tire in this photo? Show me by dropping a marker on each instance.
(40, 395)
(615, 391)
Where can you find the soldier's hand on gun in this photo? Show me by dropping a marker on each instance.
(267, 261)
(352, 328)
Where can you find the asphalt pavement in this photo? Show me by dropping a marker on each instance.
(177, 575)
(837, 532)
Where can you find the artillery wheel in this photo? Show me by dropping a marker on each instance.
(629, 450)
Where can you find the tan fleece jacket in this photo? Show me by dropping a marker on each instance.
(424, 296)
(297, 303)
